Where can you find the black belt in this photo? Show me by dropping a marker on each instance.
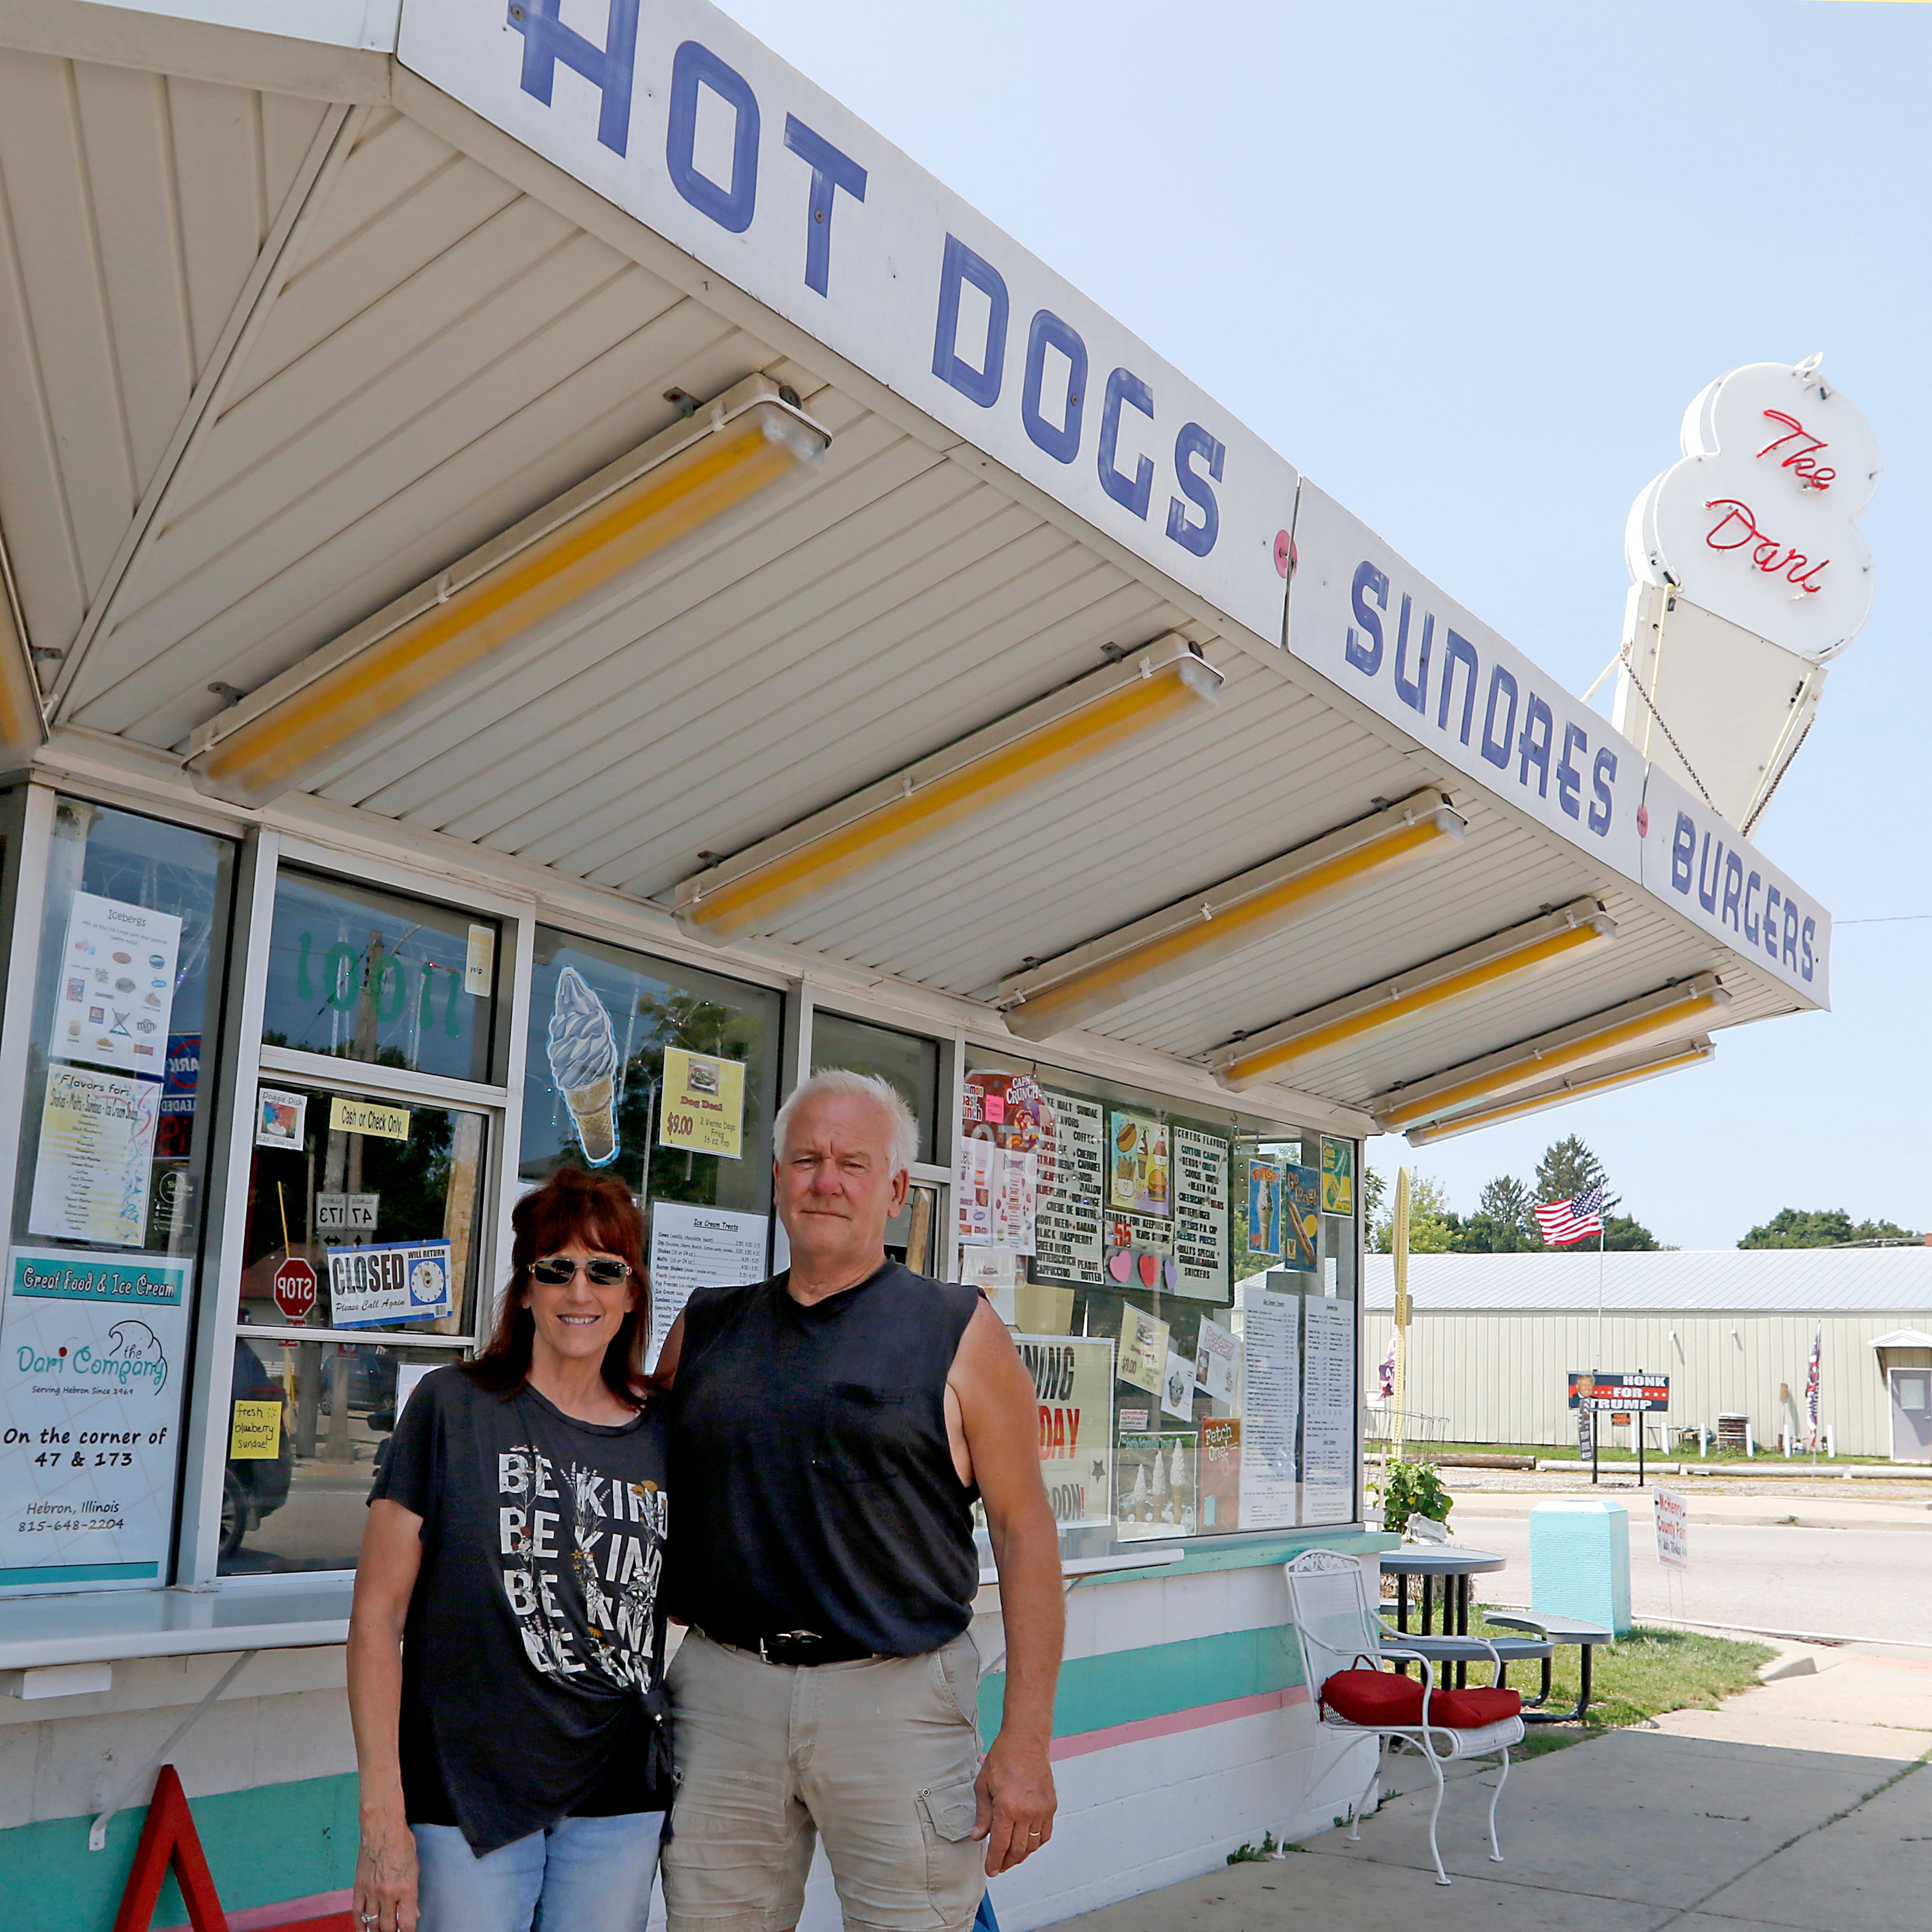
(802, 1648)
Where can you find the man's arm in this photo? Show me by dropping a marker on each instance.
(997, 1413)
(661, 1377)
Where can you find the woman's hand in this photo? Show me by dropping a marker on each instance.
(385, 1875)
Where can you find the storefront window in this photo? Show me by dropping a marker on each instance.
(665, 1076)
(906, 1062)
(307, 1421)
(363, 1230)
(99, 1292)
(365, 975)
(1181, 1287)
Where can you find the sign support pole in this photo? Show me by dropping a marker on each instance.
(1399, 1242)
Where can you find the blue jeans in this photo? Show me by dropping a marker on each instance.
(581, 1875)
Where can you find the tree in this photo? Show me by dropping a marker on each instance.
(1821, 1228)
(1506, 1199)
(1569, 1169)
(1375, 1189)
(1624, 1235)
(1433, 1225)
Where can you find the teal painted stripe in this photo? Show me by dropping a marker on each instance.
(275, 1842)
(82, 1572)
(1097, 1693)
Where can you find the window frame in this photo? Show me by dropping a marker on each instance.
(264, 852)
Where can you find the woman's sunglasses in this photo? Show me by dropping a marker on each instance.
(601, 1272)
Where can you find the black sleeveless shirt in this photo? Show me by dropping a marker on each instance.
(814, 1478)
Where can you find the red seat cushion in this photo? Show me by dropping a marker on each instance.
(1379, 1698)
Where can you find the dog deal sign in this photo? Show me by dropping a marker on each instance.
(386, 1283)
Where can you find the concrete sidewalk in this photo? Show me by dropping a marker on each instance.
(1804, 1804)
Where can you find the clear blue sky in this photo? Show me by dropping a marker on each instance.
(1465, 266)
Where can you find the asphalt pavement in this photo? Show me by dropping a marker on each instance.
(1872, 1585)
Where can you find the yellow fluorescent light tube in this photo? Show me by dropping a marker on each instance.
(301, 723)
(1674, 1010)
(1557, 1093)
(1091, 716)
(1191, 935)
(1524, 949)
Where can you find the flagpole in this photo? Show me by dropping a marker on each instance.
(1600, 1288)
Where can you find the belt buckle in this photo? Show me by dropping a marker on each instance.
(769, 1647)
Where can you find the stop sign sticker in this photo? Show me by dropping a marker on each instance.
(295, 1287)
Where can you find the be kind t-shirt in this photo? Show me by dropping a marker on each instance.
(533, 1656)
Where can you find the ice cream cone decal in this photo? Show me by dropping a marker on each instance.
(583, 1064)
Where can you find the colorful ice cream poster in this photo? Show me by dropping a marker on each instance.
(96, 1345)
(1301, 1217)
(1154, 1477)
(1338, 1177)
(1177, 1389)
(1139, 1165)
(702, 1106)
(693, 1247)
(1073, 1383)
(95, 1161)
(1219, 1473)
(1144, 1350)
(1271, 1382)
(1200, 1215)
(117, 986)
(1010, 1115)
(1068, 1245)
(1217, 1362)
(1264, 1214)
(583, 1049)
(1328, 1412)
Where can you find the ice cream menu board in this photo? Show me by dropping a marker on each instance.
(1067, 1245)
(1271, 1370)
(92, 1177)
(1200, 1215)
(1328, 1412)
(698, 1247)
(117, 986)
(90, 1409)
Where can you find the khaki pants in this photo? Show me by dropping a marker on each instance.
(877, 1757)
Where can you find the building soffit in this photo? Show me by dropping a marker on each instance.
(498, 151)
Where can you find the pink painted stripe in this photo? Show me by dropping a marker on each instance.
(1197, 1719)
(293, 1911)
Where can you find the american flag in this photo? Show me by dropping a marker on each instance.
(1811, 1385)
(1565, 1222)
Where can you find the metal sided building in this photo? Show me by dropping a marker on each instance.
(554, 585)
(1495, 1339)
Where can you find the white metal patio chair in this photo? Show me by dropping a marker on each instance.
(1338, 1629)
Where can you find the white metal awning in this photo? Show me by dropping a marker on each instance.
(287, 332)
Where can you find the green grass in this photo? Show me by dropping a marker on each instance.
(1641, 1676)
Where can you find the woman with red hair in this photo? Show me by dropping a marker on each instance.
(506, 1646)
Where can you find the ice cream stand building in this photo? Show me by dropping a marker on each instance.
(553, 585)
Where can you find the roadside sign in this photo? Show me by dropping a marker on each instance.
(294, 1288)
(1673, 1529)
(1619, 1391)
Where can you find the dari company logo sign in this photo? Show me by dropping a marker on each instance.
(1757, 523)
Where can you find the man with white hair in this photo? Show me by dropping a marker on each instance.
(831, 1429)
